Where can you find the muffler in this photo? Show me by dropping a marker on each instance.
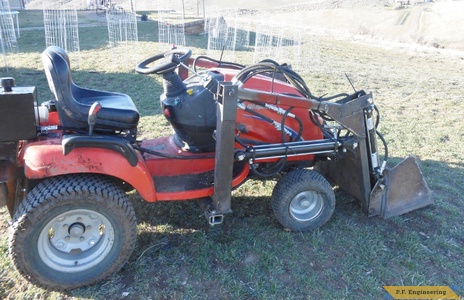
(401, 189)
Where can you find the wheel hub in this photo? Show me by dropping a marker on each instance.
(75, 240)
(76, 230)
(305, 203)
(306, 206)
(81, 235)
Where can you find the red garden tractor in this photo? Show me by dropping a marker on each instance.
(66, 165)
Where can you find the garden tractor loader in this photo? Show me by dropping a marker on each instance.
(66, 164)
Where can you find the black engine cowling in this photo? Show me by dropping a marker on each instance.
(191, 112)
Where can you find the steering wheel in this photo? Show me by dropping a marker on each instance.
(171, 59)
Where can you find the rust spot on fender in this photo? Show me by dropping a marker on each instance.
(89, 164)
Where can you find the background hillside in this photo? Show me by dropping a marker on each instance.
(437, 24)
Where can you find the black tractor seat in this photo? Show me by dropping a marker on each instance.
(118, 112)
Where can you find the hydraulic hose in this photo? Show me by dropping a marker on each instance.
(385, 146)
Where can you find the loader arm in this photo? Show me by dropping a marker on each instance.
(347, 111)
(382, 192)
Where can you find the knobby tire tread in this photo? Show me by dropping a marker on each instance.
(62, 189)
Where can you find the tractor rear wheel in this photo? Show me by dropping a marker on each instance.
(72, 231)
(303, 200)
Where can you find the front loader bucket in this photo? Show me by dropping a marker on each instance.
(402, 189)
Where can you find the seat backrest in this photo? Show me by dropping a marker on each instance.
(118, 113)
(57, 70)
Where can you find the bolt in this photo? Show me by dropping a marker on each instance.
(82, 238)
(65, 226)
(231, 92)
(240, 157)
(67, 238)
(60, 245)
(89, 227)
(79, 219)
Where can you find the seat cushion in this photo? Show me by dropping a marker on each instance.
(118, 110)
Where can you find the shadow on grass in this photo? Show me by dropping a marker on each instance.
(143, 90)
(251, 256)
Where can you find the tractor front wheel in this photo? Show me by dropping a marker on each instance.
(72, 231)
(303, 200)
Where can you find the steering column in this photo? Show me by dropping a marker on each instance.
(166, 66)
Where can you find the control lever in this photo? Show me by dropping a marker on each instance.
(94, 109)
(209, 82)
(175, 59)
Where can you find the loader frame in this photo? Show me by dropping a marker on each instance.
(358, 172)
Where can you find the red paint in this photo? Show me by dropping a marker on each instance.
(44, 157)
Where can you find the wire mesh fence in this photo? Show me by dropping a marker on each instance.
(287, 44)
(122, 27)
(8, 36)
(231, 33)
(171, 29)
(122, 37)
(221, 38)
(228, 33)
(61, 24)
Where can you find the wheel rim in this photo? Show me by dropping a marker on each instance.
(306, 206)
(76, 240)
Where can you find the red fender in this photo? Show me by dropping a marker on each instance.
(45, 158)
